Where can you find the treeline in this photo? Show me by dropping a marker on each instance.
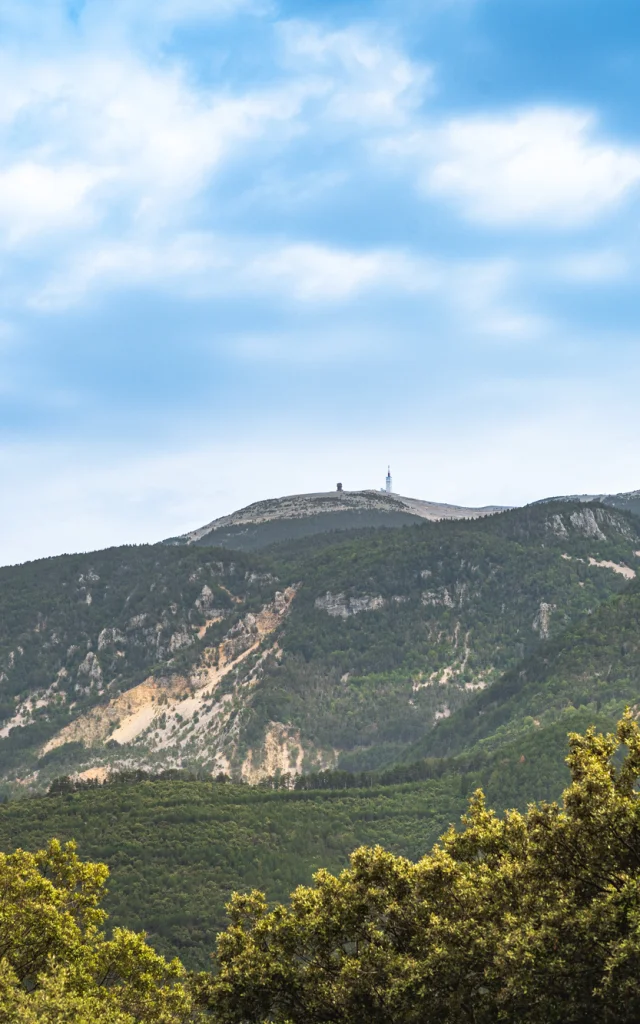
(336, 779)
(328, 779)
(127, 777)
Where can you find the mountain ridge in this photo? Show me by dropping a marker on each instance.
(627, 501)
(305, 657)
(298, 515)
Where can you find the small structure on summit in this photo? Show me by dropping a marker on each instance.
(338, 487)
(387, 483)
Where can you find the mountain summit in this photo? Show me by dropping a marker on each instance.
(301, 515)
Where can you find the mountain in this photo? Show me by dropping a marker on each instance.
(367, 680)
(627, 501)
(594, 666)
(347, 649)
(302, 515)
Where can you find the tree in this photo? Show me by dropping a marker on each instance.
(56, 965)
(531, 918)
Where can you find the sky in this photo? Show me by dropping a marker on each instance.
(253, 248)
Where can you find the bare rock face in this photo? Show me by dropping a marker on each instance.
(542, 621)
(183, 717)
(109, 637)
(181, 638)
(585, 522)
(556, 525)
(436, 597)
(343, 607)
(206, 602)
(593, 523)
(90, 669)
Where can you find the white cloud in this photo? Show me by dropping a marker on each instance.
(186, 264)
(111, 149)
(113, 136)
(369, 80)
(36, 197)
(479, 296)
(200, 264)
(543, 167)
(314, 273)
(484, 297)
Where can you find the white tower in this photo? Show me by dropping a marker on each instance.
(388, 481)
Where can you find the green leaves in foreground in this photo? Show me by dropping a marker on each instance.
(529, 918)
(57, 966)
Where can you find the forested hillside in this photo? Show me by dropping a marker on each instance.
(394, 632)
(521, 916)
(340, 650)
(595, 664)
(178, 849)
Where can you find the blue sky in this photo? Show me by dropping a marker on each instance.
(253, 248)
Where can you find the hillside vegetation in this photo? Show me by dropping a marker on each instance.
(594, 665)
(178, 849)
(529, 917)
(336, 651)
(394, 632)
(370, 683)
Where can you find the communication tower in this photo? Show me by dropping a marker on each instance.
(387, 482)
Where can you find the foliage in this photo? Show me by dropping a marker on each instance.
(56, 964)
(533, 918)
(177, 849)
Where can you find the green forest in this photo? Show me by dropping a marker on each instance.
(178, 849)
(528, 917)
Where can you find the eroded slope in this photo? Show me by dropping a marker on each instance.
(343, 654)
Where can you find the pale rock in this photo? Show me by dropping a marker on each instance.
(542, 621)
(90, 667)
(585, 522)
(340, 606)
(181, 638)
(109, 636)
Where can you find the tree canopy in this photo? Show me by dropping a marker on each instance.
(57, 965)
(531, 918)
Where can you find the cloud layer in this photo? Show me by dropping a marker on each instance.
(213, 211)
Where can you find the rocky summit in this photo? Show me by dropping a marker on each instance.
(301, 515)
